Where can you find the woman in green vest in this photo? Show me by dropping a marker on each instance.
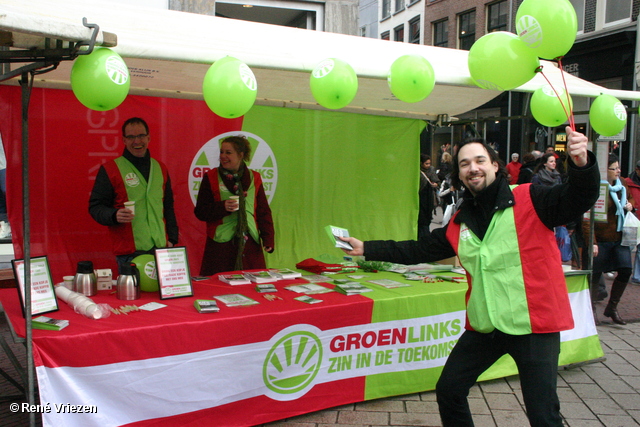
(233, 203)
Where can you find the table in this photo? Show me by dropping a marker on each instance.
(250, 365)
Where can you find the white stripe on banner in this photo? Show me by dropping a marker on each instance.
(160, 387)
(584, 324)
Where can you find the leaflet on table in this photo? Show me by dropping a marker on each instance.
(335, 232)
(234, 279)
(389, 284)
(310, 288)
(286, 273)
(400, 268)
(264, 276)
(206, 306)
(307, 299)
(47, 323)
(235, 300)
(266, 287)
(351, 288)
(317, 278)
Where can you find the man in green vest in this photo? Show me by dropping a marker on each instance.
(517, 299)
(148, 223)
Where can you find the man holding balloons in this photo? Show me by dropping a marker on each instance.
(135, 177)
(517, 300)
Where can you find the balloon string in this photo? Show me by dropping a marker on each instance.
(572, 122)
(568, 114)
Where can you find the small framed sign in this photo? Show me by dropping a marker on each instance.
(174, 280)
(43, 296)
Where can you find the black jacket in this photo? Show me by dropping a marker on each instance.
(555, 206)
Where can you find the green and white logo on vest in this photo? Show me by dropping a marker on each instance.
(132, 180)
(208, 157)
(292, 363)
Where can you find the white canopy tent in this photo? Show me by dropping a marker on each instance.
(169, 52)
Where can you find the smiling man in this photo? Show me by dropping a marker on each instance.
(517, 301)
(137, 177)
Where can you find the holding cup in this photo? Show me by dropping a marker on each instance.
(131, 205)
(236, 202)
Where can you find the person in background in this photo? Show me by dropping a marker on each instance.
(135, 176)
(445, 166)
(633, 184)
(546, 173)
(608, 253)
(513, 168)
(526, 171)
(513, 305)
(426, 194)
(233, 203)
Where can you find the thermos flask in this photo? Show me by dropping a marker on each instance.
(85, 281)
(128, 283)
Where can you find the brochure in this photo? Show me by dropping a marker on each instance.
(307, 299)
(317, 278)
(206, 306)
(234, 279)
(286, 273)
(352, 288)
(389, 284)
(335, 232)
(44, 322)
(264, 276)
(266, 287)
(310, 288)
(235, 300)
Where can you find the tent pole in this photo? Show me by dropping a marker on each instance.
(26, 84)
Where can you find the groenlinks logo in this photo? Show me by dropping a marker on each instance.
(117, 70)
(132, 179)
(293, 362)
(208, 157)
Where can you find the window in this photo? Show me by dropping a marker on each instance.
(384, 36)
(497, 14)
(441, 33)
(386, 8)
(414, 30)
(466, 30)
(398, 33)
(363, 31)
(617, 11)
(399, 5)
(578, 5)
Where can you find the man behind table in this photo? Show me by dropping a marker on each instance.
(135, 176)
(517, 301)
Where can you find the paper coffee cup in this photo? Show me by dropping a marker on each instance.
(237, 199)
(131, 206)
(68, 282)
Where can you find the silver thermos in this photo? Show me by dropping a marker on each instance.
(128, 283)
(85, 281)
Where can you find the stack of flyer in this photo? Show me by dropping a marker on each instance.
(264, 276)
(308, 289)
(44, 322)
(286, 273)
(206, 306)
(235, 300)
(351, 288)
(234, 279)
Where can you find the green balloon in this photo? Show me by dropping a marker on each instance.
(100, 80)
(229, 88)
(607, 115)
(549, 27)
(146, 265)
(411, 78)
(501, 61)
(551, 109)
(334, 83)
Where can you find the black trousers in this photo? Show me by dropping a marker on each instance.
(536, 356)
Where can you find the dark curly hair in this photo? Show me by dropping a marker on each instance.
(493, 156)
